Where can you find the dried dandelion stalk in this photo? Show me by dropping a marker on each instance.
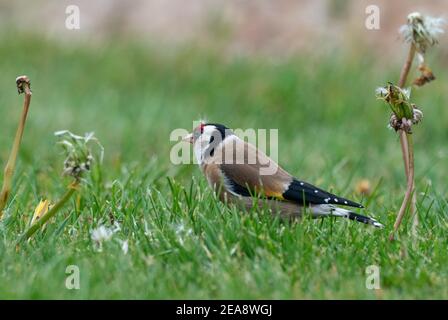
(404, 115)
(421, 32)
(23, 86)
(407, 150)
(401, 83)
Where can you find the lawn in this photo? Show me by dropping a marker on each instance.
(183, 243)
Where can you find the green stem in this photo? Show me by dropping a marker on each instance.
(40, 222)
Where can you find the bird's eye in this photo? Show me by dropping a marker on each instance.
(201, 127)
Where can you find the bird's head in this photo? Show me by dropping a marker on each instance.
(206, 137)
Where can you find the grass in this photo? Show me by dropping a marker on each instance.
(183, 243)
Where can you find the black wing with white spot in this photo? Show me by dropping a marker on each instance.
(305, 194)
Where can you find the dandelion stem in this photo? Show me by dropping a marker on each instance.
(39, 223)
(406, 66)
(410, 187)
(404, 151)
(406, 148)
(23, 85)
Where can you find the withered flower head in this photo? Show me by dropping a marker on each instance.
(422, 31)
(404, 113)
(397, 98)
(22, 82)
(426, 75)
(78, 153)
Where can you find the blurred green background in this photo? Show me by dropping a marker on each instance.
(133, 73)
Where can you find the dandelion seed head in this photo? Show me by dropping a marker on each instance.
(422, 31)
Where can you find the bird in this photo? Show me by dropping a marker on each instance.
(234, 170)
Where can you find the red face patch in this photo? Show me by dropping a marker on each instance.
(198, 130)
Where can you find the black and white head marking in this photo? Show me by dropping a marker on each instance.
(207, 137)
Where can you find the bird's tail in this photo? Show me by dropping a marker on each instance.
(340, 212)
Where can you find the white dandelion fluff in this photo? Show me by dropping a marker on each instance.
(406, 92)
(381, 92)
(125, 246)
(422, 31)
(101, 234)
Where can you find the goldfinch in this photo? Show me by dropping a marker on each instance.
(234, 169)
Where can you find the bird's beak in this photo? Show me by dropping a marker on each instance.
(188, 138)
